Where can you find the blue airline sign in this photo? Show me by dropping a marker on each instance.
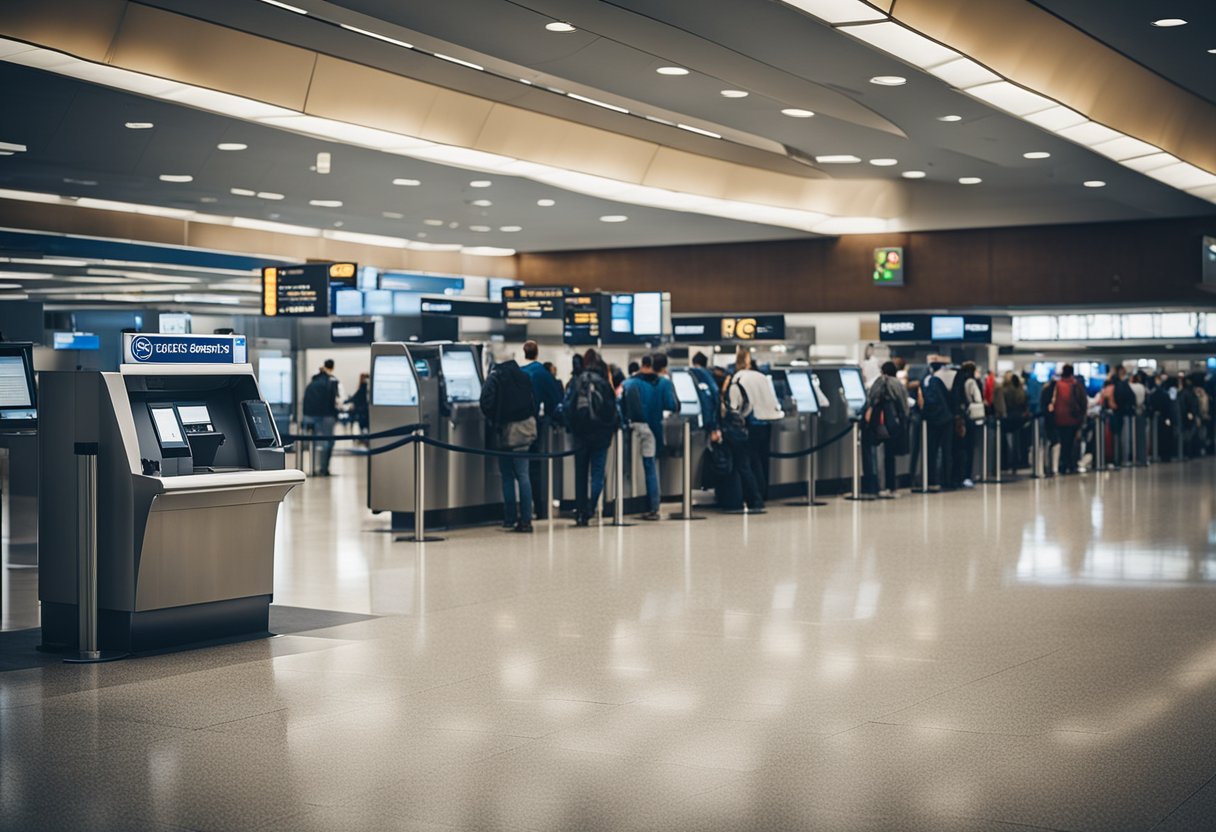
(154, 348)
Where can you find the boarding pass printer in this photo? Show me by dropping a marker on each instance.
(191, 474)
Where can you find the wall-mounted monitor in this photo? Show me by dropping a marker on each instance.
(393, 382)
(76, 341)
(353, 332)
(293, 291)
(888, 266)
(378, 302)
(348, 303)
(946, 328)
(581, 319)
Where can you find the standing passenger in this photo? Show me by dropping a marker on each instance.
(510, 409)
(886, 405)
(591, 413)
(751, 395)
(321, 398)
(935, 406)
(547, 394)
(972, 411)
(643, 400)
(1067, 408)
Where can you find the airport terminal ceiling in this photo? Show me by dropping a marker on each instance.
(80, 145)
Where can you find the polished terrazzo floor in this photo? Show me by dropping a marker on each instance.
(1040, 655)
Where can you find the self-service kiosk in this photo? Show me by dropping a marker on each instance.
(191, 472)
(841, 395)
(671, 466)
(439, 386)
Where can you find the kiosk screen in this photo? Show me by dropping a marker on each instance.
(194, 415)
(803, 392)
(393, 383)
(14, 384)
(460, 376)
(18, 408)
(854, 389)
(169, 429)
(261, 423)
(686, 393)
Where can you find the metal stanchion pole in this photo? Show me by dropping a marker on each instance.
(618, 509)
(856, 438)
(1099, 454)
(550, 508)
(1153, 454)
(686, 509)
(420, 535)
(88, 650)
(1180, 433)
(811, 472)
(983, 451)
(924, 455)
(999, 475)
(1036, 449)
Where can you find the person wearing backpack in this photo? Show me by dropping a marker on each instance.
(644, 397)
(1069, 403)
(970, 412)
(510, 409)
(934, 400)
(320, 411)
(547, 393)
(592, 418)
(886, 423)
(1124, 400)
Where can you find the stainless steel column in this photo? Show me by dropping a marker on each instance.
(1036, 461)
(686, 508)
(1154, 453)
(924, 455)
(1099, 454)
(618, 509)
(420, 535)
(984, 454)
(999, 477)
(88, 650)
(856, 438)
(551, 512)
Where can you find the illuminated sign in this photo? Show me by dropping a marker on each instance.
(581, 318)
(889, 266)
(292, 291)
(976, 329)
(533, 303)
(710, 329)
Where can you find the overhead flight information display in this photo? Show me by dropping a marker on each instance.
(711, 329)
(581, 323)
(533, 303)
(304, 290)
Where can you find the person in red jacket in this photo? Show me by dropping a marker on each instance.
(1067, 409)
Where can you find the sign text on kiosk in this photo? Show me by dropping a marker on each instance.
(154, 348)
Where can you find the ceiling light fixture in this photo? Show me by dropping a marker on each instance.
(242, 192)
(1094, 183)
(324, 160)
(176, 177)
(950, 119)
(377, 36)
(452, 60)
(287, 6)
(672, 70)
(734, 93)
(889, 80)
(435, 223)
(559, 26)
(969, 180)
(325, 203)
(480, 183)
(838, 11)
(838, 159)
(1169, 22)
(913, 174)
(511, 229)
(392, 215)
(407, 183)
(480, 229)
(596, 102)
(1036, 154)
(208, 200)
(613, 218)
(699, 130)
(6, 153)
(139, 125)
(546, 203)
(482, 203)
(796, 112)
(884, 163)
(270, 195)
(231, 146)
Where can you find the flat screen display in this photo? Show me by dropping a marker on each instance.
(274, 377)
(854, 389)
(348, 303)
(194, 414)
(803, 392)
(530, 303)
(947, 328)
(175, 323)
(14, 383)
(889, 266)
(306, 289)
(460, 375)
(393, 383)
(378, 302)
(581, 324)
(648, 314)
(407, 303)
(76, 341)
(621, 314)
(168, 428)
(686, 393)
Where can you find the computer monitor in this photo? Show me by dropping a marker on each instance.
(170, 432)
(393, 382)
(378, 302)
(854, 388)
(802, 391)
(686, 392)
(460, 376)
(194, 416)
(18, 398)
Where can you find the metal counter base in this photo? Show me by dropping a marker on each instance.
(138, 632)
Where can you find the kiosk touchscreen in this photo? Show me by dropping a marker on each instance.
(686, 392)
(261, 423)
(170, 432)
(854, 388)
(802, 390)
(18, 400)
(393, 382)
(460, 375)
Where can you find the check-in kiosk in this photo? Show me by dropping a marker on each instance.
(671, 470)
(841, 396)
(191, 474)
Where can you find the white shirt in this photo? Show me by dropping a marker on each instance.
(1140, 391)
(762, 398)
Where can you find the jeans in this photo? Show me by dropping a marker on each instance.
(1068, 447)
(965, 461)
(742, 453)
(513, 470)
(940, 453)
(644, 439)
(589, 460)
(323, 449)
(869, 468)
(760, 438)
(538, 468)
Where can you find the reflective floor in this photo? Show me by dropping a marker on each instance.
(1040, 655)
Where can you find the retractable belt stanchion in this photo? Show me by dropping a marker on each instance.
(1036, 449)
(1181, 434)
(811, 471)
(618, 508)
(420, 535)
(998, 476)
(1154, 452)
(88, 650)
(1099, 455)
(857, 495)
(551, 511)
(924, 458)
(983, 451)
(686, 509)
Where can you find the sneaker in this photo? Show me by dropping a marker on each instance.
(509, 525)
(581, 521)
(522, 529)
(967, 483)
(650, 515)
(935, 489)
(889, 494)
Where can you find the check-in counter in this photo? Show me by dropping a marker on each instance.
(797, 391)
(191, 474)
(842, 395)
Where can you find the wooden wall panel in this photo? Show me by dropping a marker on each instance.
(1155, 262)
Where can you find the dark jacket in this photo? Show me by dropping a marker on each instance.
(507, 395)
(595, 436)
(707, 392)
(359, 405)
(546, 390)
(321, 396)
(644, 398)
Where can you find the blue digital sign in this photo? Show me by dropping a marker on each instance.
(76, 341)
(140, 348)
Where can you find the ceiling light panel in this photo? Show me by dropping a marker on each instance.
(672, 70)
(838, 11)
(407, 183)
(139, 125)
(1056, 118)
(1124, 148)
(734, 93)
(377, 36)
(796, 112)
(596, 102)
(1144, 164)
(231, 146)
(1011, 98)
(1036, 154)
(1090, 134)
(889, 80)
(559, 26)
(1183, 175)
(884, 163)
(838, 159)
(469, 64)
(913, 174)
(905, 44)
(963, 73)
(11, 147)
(280, 4)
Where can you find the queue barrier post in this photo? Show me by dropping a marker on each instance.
(686, 471)
(88, 651)
(1036, 450)
(924, 457)
(983, 451)
(1180, 433)
(999, 439)
(420, 535)
(618, 507)
(811, 470)
(856, 494)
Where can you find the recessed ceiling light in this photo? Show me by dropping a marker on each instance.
(67, 180)
(480, 183)
(270, 195)
(408, 183)
(1094, 183)
(949, 118)
(421, 235)
(796, 112)
(435, 223)
(701, 130)
(969, 180)
(884, 163)
(6, 153)
(479, 228)
(734, 93)
(208, 199)
(231, 146)
(889, 80)
(241, 192)
(1036, 154)
(139, 125)
(453, 225)
(559, 26)
(838, 159)
(338, 223)
(482, 203)
(511, 229)
(392, 215)
(613, 218)
(323, 162)
(1212, 51)
(913, 174)
(1169, 22)
(325, 203)
(176, 177)
(672, 70)
(452, 60)
(546, 203)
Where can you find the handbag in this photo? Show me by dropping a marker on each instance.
(716, 464)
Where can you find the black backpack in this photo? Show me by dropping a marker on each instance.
(320, 396)
(734, 423)
(594, 404)
(1125, 397)
(515, 401)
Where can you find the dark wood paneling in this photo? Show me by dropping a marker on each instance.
(1155, 262)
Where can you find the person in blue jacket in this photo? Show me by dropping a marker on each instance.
(547, 393)
(644, 397)
(707, 392)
